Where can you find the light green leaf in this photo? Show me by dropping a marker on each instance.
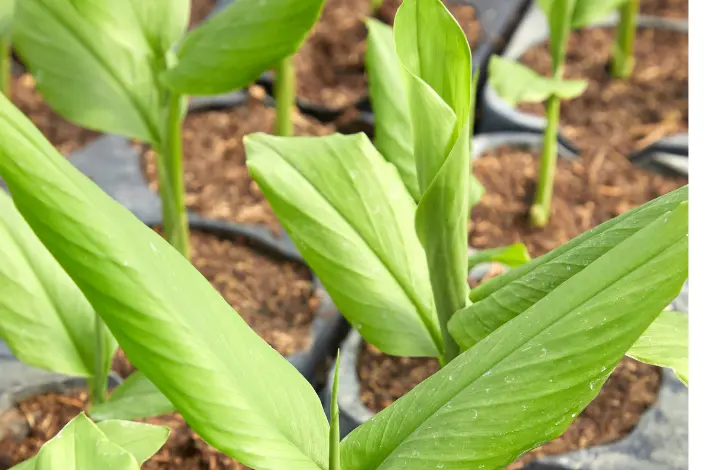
(560, 20)
(44, 318)
(232, 388)
(139, 439)
(96, 62)
(393, 125)
(526, 382)
(439, 97)
(335, 421)
(516, 83)
(7, 12)
(348, 212)
(591, 11)
(135, 398)
(511, 256)
(232, 48)
(502, 298)
(665, 344)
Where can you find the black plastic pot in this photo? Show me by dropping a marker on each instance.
(660, 439)
(669, 154)
(498, 17)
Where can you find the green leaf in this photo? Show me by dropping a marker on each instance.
(393, 124)
(439, 95)
(503, 298)
(232, 388)
(335, 421)
(525, 383)
(96, 62)
(45, 319)
(560, 20)
(139, 439)
(348, 212)
(665, 344)
(516, 83)
(7, 12)
(511, 256)
(235, 46)
(591, 11)
(135, 398)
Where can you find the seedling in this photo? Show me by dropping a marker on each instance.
(575, 311)
(516, 83)
(134, 81)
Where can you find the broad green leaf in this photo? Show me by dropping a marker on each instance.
(526, 382)
(97, 62)
(502, 298)
(235, 46)
(348, 212)
(335, 421)
(135, 398)
(393, 124)
(139, 439)
(665, 344)
(232, 388)
(512, 256)
(439, 97)
(516, 83)
(7, 12)
(44, 318)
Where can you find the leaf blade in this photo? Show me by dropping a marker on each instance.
(665, 344)
(137, 397)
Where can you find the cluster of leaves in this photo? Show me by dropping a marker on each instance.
(523, 354)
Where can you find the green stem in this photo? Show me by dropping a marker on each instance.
(623, 60)
(98, 384)
(5, 59)
(334, 463)
(285, 97)
(171, 178)
(540, 210)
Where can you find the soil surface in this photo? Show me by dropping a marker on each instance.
(587, 193)
(330, 66)
(665, 8)
(217, 181)
(630, 390)
(64, 135)
(39, 418)
(199, 10)
(275, 297)
(621, 115)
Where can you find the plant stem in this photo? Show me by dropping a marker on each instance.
(376, 4)
(285, 97)
(334, 463)
(623, 60)
(98, 384)
(171, 178)
(540, 210)
(5, 59)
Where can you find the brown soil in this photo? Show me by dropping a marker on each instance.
(65, 136)
(587, 192)
(630, 390)
(199, 10)
(621, 115)
(330, 66)
(41, 417)
(217, 181)
(274, 297)
(665, 8)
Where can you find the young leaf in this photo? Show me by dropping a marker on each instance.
(511, 256)
(44, 318)
(665, 343)
(235, 46)
(516, 83)
(96, 62)
(139, 439)
(439, 98)
(232, 388)
(503, 298)
(525, 383)
(348, 213)
(590, 11)
(393, 125)
(335, 421)
(135, 398)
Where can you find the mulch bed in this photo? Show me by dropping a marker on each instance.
(217, 181)
(275, 297)
(620, 115)
(665, 8)
(199, 10)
